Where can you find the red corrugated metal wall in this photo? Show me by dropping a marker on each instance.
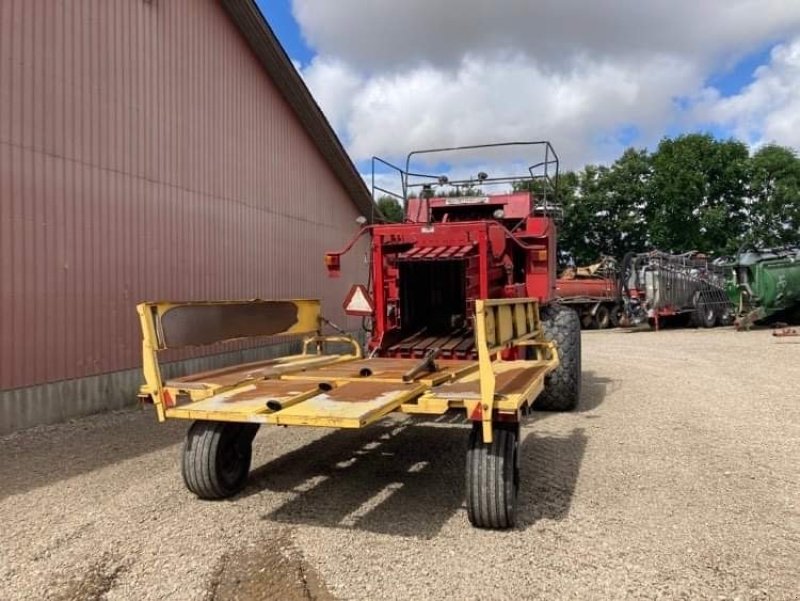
(145, 154)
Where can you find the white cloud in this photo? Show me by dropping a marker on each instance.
(767, 110)
(381, 34)
(509, 99)
(333, 84)
(405, 75)
(500, 99)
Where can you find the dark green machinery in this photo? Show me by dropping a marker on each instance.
(765, 284)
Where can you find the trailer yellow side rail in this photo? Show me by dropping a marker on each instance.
(337, 390)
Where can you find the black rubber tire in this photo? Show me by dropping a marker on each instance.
(493, 477)
(705, 313)
(216, 458)
(602, 317)
(562, 387)
(726, 316)
(616, 315)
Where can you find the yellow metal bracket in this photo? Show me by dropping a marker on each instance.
(152, 373)
(180, 324)
(500, 324)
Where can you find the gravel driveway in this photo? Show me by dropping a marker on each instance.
(677, 478)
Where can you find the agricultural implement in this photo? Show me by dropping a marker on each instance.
(461, 321)
(658, 286)
(765, 285)
(594, 292)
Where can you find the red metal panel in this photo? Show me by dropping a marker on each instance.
(144, 153)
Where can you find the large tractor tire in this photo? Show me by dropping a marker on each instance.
(493, 477)
(562, 387)
(216, 458)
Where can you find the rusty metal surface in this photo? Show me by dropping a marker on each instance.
(353, 404)
(511, 381)
(197, 325)
(226, 376)
(384, 368)
(145, 153)
(255, 395)
(214, 379)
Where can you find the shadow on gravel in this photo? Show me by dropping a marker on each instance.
(549, 469)
(404, 479)
(593, 391)
(48, 454)
(407, 479)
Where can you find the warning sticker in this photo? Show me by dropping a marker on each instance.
(358, 301)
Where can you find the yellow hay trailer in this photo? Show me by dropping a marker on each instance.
(318, 387)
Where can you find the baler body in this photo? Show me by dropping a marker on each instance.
(427, 274)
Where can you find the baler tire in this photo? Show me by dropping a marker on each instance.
(562, 386)
(492, 476)
(216, 458)
(602, 317)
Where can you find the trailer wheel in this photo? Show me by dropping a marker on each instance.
(617, 313)
(216, 458)
(602, 317)
(493, 477)
(705, 313)
(726, 316)
(562, 387)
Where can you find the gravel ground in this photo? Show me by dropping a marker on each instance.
(677, 478)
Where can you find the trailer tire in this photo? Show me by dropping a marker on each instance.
(602, 317)
(726, 316)
(492, 476)
(617, 313)
(562, 386)
(705, 313)
(216, 458)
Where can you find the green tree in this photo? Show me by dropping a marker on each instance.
(460, 191)
(697, 194)
(390, 208)
(773, 215)
(604, 208)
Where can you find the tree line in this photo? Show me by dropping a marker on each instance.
(693, 192)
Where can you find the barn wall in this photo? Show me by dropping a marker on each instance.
(144, 155)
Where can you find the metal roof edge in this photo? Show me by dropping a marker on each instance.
(248, 19)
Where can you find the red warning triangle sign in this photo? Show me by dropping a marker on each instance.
(358, 301)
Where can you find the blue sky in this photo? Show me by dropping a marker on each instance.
(279, 16)
(592, 84)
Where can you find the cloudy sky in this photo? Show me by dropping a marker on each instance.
(593, 77)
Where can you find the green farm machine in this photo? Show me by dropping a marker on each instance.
(765, 285)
